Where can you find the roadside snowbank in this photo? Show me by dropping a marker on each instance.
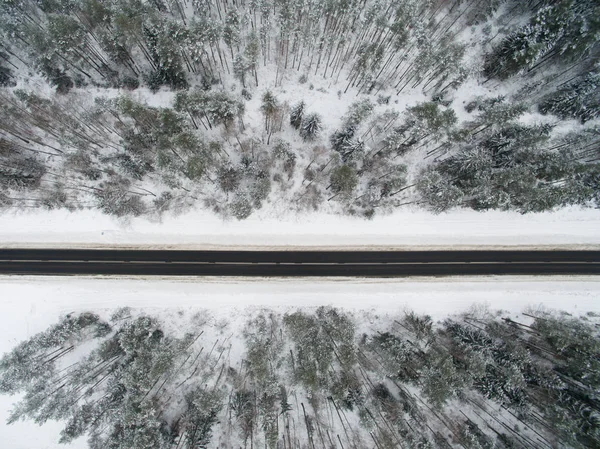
(201, 229)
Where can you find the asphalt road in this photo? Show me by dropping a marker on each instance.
(296, 263)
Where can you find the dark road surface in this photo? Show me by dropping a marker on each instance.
(296, 263)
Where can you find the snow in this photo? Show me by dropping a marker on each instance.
(29, 305)
(271, 227)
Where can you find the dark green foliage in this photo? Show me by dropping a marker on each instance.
(472, 437)
(263, 346)
(37, 357)
(499, 369)
(438, 192)
(421, 121)
(229, 179)
(575, 340)
(20, 172)
(114, 198)
(130, 83)
(216, 108)
(344, 143)
(358, 112)
(119, 372)
(169, 70)
(240, 67)
(318, 339)
(135, 386)
(399, 355)
(196, 167)
(440, 380)
(310, 127)
(133, 166)
(270, 108)
(269, 103)
(201, 415)
(421, 326)
(231, 31)
(282, 151)
(431, 117)
(563, 29)
(503, 145)
(580, 99)
(6, 75)
(343, 179)
(297, 114)
(496, 111)
(508, 169)
(57, 78)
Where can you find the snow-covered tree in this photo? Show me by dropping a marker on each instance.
(343, 180)
(438, 192)
(580, 99)
(310, 127)
(297, 114)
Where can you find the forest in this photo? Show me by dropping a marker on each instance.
(357, 107)
(313, 378)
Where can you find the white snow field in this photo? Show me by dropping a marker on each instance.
(573, 226)
(29, 305)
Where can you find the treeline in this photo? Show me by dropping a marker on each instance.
(310, 379)
(128, 158)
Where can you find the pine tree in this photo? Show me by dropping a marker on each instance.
(229, 179)
(114, 198)
(269, 108)
(252, 53)
(241, 207)
(240, 67)
(310, 127)
(344, 180)
(340, 139)
(231, 31)
(358, 112)
(297, 114)
(580, 99)
(437, 191)
(561, 29)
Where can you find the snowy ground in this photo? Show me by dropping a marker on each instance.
(29, 305)
(409, 228)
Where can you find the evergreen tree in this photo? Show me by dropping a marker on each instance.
(240, 67)
(297, 114)
(310, 127)
(229, 179)
(114, 198)
(341, 139)
(358, 112)
(241, 207)
(580, 99)
(269, 108)
(6, 75)
(231, 31)
(252, 53)
(438, 192)
(343, 180)
(565, 28)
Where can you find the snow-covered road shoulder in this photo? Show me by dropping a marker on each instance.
(568, 227)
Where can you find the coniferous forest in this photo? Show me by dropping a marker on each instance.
(321, 378)
(141, 107)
